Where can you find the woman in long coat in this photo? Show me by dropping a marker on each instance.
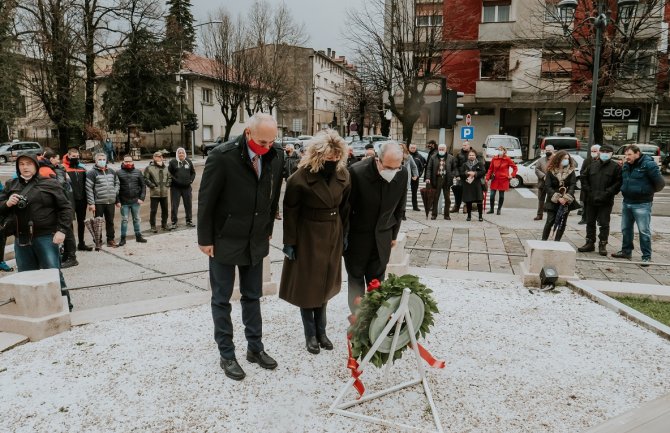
(499, 175)
(560, 183)
(472, 172)
(316, 210)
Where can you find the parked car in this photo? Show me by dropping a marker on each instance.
(559, 143)
(374, 138)
(302, 141)
(652, 150)
(10, 151)
(207, 147)
(512, 144)
(358, 148)
(287, 140)
(526, 172)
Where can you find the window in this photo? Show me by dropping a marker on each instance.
(317, 104)
(207, 132)
(494, 66)
(207, 96)
(21, 106)
(639, 62)
(551, 12)
(496, 11)
(556, 65)
(429, 20)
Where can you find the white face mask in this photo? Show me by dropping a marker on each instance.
(594, 154)
(388, 175)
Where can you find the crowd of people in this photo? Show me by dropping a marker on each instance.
(40, 203)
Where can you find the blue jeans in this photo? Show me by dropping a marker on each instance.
(135, 211)
(41, 254)
(640, 213)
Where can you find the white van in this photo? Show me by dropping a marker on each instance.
(512, 144)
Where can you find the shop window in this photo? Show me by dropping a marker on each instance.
(496, 11)
(494, 67)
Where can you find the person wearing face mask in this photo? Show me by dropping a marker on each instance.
(560, 183)
(102, 189)
(316, 210)
(583, 194)
(412, 170)
(420, 163)
(77, 174)
(158, 179)
(499, 175)
(440, 172)
(183, 174)
(377, 202)
(431, 147)
(290, 161)
(601, 181)
(131, 195)
(540, 172)
(237, 204)
(472, 172)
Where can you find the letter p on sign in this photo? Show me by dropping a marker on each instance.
(467, 132)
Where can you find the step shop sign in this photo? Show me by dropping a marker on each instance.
(619, 113)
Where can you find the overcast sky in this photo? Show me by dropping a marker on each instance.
(324, 19)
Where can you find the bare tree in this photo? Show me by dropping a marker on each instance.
(632, 64)
(400, 50)
(232, 69)
(48, 31)
(363, 105)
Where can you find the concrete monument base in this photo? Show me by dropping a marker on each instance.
(560, 255)
(399, 259)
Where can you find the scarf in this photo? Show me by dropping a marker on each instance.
(470, 164)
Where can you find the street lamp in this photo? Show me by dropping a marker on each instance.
(181, 90)
(626, 11)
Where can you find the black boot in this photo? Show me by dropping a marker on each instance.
(139, 238)
(325, 342)
(123, 241)
(587, 247)
(602, 248)
(69, 261)
(312, 345)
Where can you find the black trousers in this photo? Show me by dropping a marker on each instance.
(69, 245)
(3, 241)
(80, 207)
(177, 193)
(493, 199)
(314, 320)
(222, 279)
(414, 185)
(360, 275)
(444, 188)
(163, 202)
(107, 211)
(541, 197)
(600, 214)
(551, 218)
(458, 196)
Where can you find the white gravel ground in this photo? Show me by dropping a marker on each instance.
(515, 363)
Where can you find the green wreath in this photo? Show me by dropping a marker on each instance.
(388, 292)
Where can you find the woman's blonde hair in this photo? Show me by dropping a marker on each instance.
(322, 144)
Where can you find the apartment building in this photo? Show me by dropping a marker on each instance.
(496, 57)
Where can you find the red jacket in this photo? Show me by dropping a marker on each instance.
(500, 168)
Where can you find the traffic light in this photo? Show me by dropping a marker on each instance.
(453, 106)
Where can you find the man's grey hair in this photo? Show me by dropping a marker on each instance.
(595, 148)
(442, 145)
(390, 148)
(548, 147)
(100, 154)
(289, 146)
(259, 118)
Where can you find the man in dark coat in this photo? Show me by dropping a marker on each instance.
(420, 162)
(583, 194)
(461, 158)
(431, 147)
(183, 174)
(440, 172)
(601, 181)
(239, 195)
(131, 195)
(377, 202)
(77, 174)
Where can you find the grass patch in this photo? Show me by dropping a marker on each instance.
(657, 310)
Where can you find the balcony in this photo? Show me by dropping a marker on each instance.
(494, 89)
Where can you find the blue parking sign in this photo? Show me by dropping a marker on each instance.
(467, 132)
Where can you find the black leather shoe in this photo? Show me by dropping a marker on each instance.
(232, 369)
(84, 247)
(621, 255)
(490, 211)
(261, 358)
(325, 342)
(312, 345)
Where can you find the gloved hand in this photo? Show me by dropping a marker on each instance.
(346, 243)
(289, 251)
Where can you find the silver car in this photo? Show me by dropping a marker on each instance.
(10, 151)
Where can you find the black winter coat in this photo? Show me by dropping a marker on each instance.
(376, 209)
(236, 210)
(182, 172)
(77, 177)
(420, 162)
(601, 181)
(552, 185)
(131, 186)
(48, 207)
(434, 164)
(472, 191)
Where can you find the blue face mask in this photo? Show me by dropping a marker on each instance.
(605, 156)
(565, 162)
(102, 163)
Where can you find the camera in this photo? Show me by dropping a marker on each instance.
(23, 202)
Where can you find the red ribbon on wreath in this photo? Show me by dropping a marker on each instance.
(352, 365)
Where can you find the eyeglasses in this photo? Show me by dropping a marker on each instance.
(387, 168)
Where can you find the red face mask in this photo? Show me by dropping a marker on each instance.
(257, 148)
(128, 165)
